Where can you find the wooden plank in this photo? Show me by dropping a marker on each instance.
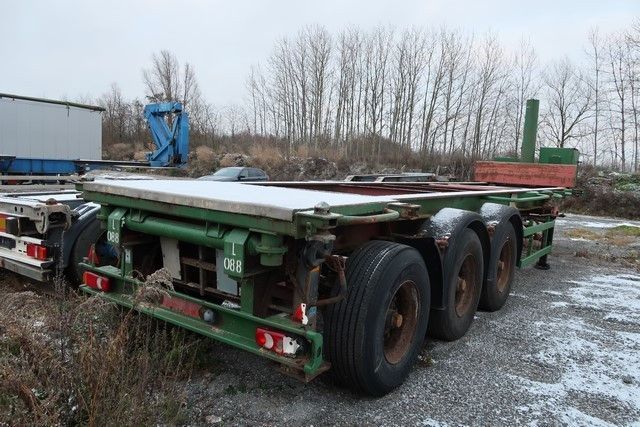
(529, 174)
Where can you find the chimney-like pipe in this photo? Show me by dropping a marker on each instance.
(528, 152)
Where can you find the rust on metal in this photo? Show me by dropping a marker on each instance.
(187, 308)
(505, 265)
(529, 174)
(401, 322)
(336, 263)
(442, 243)
(465, 286)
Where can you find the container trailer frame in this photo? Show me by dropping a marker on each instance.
(318, 276)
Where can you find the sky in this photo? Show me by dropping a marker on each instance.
(77, 49)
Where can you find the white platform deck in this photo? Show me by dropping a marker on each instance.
(271, 202)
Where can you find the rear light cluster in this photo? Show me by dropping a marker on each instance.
(94, 281)
(37, 251)
(277, 342)
(9, 224)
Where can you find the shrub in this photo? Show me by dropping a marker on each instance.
(77, 360)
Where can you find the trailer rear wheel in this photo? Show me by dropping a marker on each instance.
(80, 250)
(502, 265)
(463, 273)
(374, 335)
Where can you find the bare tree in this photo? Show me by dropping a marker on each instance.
(633, 65)
(490, 73)
(617, 57)
(166, 81)
(569, 100)
(595, 54)
(524, 86)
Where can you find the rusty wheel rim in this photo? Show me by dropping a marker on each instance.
(401, 322)
(465, 285)
(505, 265)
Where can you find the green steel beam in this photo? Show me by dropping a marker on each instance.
(186, 232)
(530, 259)
(528, 231)
(233, 327)
(518, 200)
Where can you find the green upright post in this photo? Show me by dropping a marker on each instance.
(528, 152)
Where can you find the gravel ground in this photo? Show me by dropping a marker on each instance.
(564, 350)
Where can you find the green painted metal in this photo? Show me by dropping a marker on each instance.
(388, 215)
(234, 252)
(530, 131)
(518, 200)
(192, 233)
(546, 245)
(528, 231)
(244, 236)
(233, 327)
(114, 225)
(533, 258)
(271, 249)
(559, 156)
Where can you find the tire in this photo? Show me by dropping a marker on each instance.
(463, 273)
(80, 250)
(502, 266)
(374, 335)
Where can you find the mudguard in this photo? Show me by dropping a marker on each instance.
(442, 229)
(496, 216)
(84, 215)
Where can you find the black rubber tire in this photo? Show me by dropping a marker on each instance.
(447, 324)
(80, 250)
(354, 328)
(504, 249)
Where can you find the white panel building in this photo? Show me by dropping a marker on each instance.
(48, 129)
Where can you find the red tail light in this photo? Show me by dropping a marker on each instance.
(37, 251)
(94, 281)
(277, 342)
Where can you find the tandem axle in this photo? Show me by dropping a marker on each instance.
(272, 279)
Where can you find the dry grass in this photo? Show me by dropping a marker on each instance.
(624, 230)
(74, 360)
(267, 156)
(582, 233)
(621, 235)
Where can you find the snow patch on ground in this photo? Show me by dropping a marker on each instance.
(576, 223)
(573, 416)
(618, 296)
(595, 363)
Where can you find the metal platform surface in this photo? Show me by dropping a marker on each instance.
(278, 201)
(271, 202)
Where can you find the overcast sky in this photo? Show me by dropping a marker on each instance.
(78, 48)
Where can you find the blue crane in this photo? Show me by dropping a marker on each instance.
(172, 143)
(169, 127)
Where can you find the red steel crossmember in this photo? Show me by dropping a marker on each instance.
(529, 174)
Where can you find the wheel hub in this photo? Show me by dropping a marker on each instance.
(505, 265)
(401, 322)
(464, 285)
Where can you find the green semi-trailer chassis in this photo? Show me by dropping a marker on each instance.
(320, 276)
